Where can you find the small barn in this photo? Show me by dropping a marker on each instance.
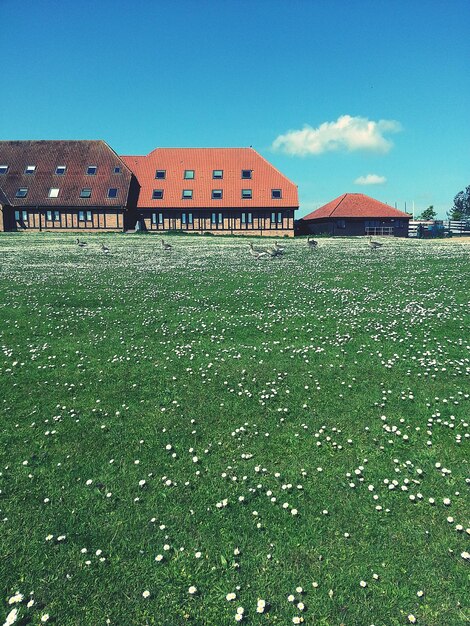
(355, 214)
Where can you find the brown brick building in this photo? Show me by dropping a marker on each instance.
(64, 185)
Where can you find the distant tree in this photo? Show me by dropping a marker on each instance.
(461, 208)
(428, 214)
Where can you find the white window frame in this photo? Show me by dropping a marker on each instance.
(53, 192)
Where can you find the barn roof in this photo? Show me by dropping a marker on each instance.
(76, 157)
(356, 205)
(203, 162)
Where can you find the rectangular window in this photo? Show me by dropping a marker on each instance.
(276, 194)
(217, 173)
(154, 218)
(190, 218)
(221, 218)
(273, 218)
(3, 169)
(91, 170)
(214, 218)
(187, 194)
(53, 192)
(279, 218)
(247, 194)
(183, 218)
(243, 218)
(89, 217)
(246, 174)
(188, 174)
(60, 170)
(250, 218)
(85, 192)
(56, 216)
(341, 223)
(17, 216)
(49, 216)
(160, 218)
(81, 216)
(112, 192)
(157, 194)
(24, 216)
(117, 170)
(216, 194)
(160, 174)
(30, 169)
(22, 192)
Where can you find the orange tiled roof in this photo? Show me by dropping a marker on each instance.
(355, 205)
(203, 161)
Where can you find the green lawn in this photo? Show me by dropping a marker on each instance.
(257, 425)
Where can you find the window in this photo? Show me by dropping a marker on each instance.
(214, 218)
(112, 192)
(247, 174)
(3, 169)
(279, 218)
(56, 216)
(217, 218)
(157, 194)
(24, 216)
(273, 218)
(154, 218)
(30, 169)
(160, 174)
(190, 218)
(276, 194)
(188, 174)
(341, 223)
(187, 194)
(250, 218)
(49, 216)
(247, 194)
(85, 193)
(60, 170)
(221, 218)
(22, 192)
(243, 218)
(217, 173)
(17, 216)
(160, 218)
(89, 217)
(216, 194)
(117, 170)
(81, 216)
(53, 192)
(183, 218)
(91, 170)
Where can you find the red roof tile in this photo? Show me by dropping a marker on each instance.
(355, 205)
(203, 161)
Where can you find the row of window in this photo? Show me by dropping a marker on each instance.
(217, 194)
(217, 218)
(54, 216)
(61, 169)
(216, 174)
(54, 192)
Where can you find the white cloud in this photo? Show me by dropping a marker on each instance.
(370, 179)
(347, 133)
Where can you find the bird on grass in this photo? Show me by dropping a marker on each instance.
(166, 246)
(105, 249)
(311, 243)
(257, 254)
(81, 244)
(374, 244)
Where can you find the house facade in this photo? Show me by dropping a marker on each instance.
(64, 185)
(224, 191)
(355, 214)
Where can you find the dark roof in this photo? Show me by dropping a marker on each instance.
(174, 161)
(355, 205)
(76, 156)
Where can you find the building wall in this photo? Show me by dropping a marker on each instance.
(31, 218)
(351, 226)
(225, 223)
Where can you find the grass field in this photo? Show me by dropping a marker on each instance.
(179, 426)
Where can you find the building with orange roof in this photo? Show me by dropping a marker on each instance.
(355, 214)
(224, 191)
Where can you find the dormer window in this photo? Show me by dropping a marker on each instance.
(85, 192)
(217, 173)
(217, 194)
(247, 174)
(160, 174)
(189, 174)
(112, 192)
(30, 169)
(276, 194)
(91, 170)
(157, 194)
(247, 194)
(187, 194)
(117, 170)
(60, 170)
(3, 169)
(22, 192)
(53, 192)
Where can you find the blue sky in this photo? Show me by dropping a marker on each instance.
(332, 92)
